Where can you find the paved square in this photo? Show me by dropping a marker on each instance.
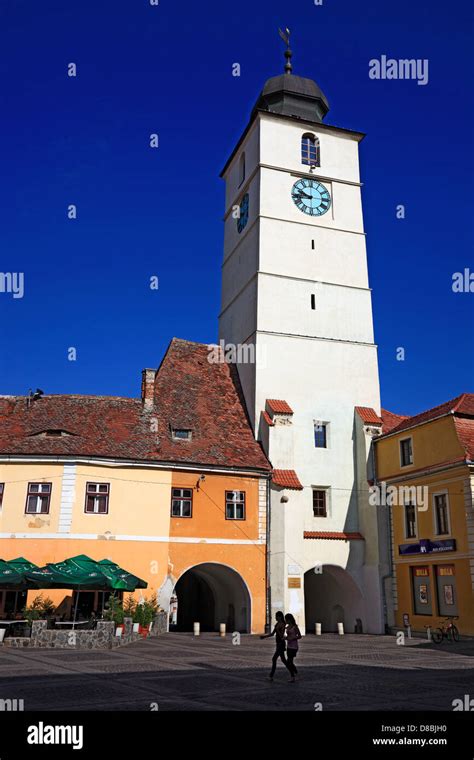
(179, 672)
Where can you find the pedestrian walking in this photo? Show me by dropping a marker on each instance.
(279, 633)
(292, 635)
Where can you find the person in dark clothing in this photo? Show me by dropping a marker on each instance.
(279, 633)
(293, 634)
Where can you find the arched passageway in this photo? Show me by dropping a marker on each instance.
(212, 594)
(331, 597)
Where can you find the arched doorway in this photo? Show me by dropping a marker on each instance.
(211, 594)
(331, 597)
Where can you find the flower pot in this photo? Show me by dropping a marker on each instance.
(143, 631)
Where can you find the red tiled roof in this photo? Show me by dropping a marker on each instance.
(465, 433)
(278, 407)
(368, 415)
(286, 479)
(189, 392)
(461, 405)
(268, 419)
(391, 420)
(333, 535)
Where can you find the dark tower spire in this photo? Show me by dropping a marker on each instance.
(288, 53)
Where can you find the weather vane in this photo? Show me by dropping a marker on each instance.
(286, 39)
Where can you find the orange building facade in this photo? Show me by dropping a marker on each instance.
(172, 487)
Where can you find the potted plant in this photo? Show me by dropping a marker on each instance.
(39, 609)
(114, 611)
(145, 614)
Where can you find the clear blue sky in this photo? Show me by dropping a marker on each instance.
(143, 212)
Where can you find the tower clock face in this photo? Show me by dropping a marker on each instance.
(244, 213)
(311, 197)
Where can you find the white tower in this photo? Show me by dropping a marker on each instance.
(295, 287)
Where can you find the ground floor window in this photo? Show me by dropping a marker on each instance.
(421, 590)
(446, 590)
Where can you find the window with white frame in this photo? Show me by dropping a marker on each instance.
(320, 506)
(97, 498)
(441, 513)
(235, 505)
(406, 452)
(320, 435)
(410, 520)
(38, 498)
(181, 502)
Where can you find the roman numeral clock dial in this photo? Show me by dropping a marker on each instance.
(311, 197)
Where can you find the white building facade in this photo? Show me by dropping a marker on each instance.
(295, 286)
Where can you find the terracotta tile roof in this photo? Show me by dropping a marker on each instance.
(189, 392)
(286, 479)
(461, 405)
(391, 420)
(268, 419)
(368, 415)
(465, 433)
(278, 407)
(333, 535)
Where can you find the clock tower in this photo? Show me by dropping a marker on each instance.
(296, 304)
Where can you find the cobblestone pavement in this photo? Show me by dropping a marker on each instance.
(178, 672)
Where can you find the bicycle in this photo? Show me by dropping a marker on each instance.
(446, 631)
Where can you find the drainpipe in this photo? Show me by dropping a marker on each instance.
(268, 605)
(384, 578)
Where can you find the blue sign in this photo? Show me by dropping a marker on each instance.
(427, 546)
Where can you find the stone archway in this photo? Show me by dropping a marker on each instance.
(211, 594)
(332, 597)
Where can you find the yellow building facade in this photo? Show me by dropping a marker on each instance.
(426, 465)
(172, 487)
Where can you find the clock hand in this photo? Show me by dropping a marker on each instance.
(305, 195)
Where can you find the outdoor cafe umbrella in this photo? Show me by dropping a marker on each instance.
(76, 573)
(82, 572)
(10, 576)
(119, 578)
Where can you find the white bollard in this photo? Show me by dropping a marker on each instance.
(222, 630)
(317, 629)
(197, 629)
(340, 629)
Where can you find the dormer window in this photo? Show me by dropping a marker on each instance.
(52, 433)
(181, 434)
(310, 150)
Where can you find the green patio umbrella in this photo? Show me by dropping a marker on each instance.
(76, 573)
(10, 576)
(22, 565)
(119, 578)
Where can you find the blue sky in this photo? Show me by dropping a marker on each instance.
(143, 212)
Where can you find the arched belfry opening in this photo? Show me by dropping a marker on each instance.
(211, 594)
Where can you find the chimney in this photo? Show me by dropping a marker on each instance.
(148, 388)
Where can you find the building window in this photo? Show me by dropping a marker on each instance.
(406, 452)
(235, 505)
(319, 503)
(241, 169)
(181, 502)
(97, 498)
(181, 434)
(313, 301)
(310, 153)
(410, 520)
(2, 489)
(320, 435)
(38, 498)
(421, 590)
(446, 590)
(441, 514)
